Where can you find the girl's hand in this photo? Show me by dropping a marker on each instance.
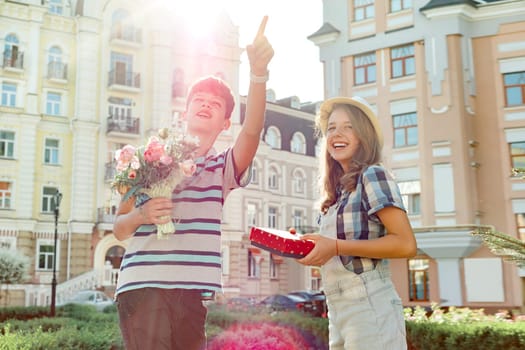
(323, 251)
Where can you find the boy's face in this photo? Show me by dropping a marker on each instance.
(206, 114)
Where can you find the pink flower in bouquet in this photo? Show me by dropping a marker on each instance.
(154, 151)
(188, 167)
(166, 160)
(126, 157)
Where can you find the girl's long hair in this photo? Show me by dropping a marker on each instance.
(331, 174)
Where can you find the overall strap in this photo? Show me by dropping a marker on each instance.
(341, 225)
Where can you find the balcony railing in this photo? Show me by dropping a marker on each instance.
(127, 33)
(129, 79)
(127, 125)
(57, 70)
(13, 59)
(106, 214)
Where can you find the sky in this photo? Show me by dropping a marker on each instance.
(295, 69)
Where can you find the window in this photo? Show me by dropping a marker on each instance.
(45, 254)
(418, 280)
(51, 151)
(363, 9)
(405, 130)
(7, 144)
(53, 102)
(122, 70)
(517, 154)
(298, 218)
(5, 195)
(254, 267)
(178, 87)
(272, 217)
(274, 267)
(319, 147)
(411, 195)
(55, 67)
(399, 5)
(365, 69)
(299, 181)
(514, 88)
(255, 175)
(298, 143)
(520, 223)
(251, 215)
(48, 201)
(273, 181)
(273, 137)
(122, 27)
(403, 61)
(119, 110)
(56, 7)
(12, 57)
(8, 94)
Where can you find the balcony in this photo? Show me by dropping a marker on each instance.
(57, 71)
(127, 36)
(123, 125)
(124, 81)
(13, 60)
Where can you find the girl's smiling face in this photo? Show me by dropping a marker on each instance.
(341, 141)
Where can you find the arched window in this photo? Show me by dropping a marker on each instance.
(298, 143)
(273, 179)
(55, 54)
(273, 137)
(11, 52)
(121, 28)
(55, 67)
(299, 181)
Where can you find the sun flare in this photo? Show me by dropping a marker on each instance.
(198, 16)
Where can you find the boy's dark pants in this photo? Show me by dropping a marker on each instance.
(158, 319)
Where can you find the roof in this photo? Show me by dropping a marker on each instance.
(442, 3)
(326, 28)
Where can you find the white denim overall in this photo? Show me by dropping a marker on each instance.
(364, 310)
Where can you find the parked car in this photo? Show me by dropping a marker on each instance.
(317, 298)
(95, 298)
(283, 302)
(241, 303)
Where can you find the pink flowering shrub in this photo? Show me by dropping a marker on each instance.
(260, 336)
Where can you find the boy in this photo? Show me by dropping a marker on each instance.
(161, 282)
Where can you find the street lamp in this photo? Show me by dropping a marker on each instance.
(57, 198)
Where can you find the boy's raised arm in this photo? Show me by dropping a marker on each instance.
(260, 52)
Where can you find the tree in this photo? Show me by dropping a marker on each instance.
(510, 248)
(13, 269)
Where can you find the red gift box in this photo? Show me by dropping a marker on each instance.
(283, 243)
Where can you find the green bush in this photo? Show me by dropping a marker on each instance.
(79, 327)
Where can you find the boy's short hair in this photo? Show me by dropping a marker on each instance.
(215, 86)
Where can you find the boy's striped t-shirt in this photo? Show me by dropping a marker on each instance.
(190, 258)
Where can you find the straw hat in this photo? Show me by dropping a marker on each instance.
(359, 102)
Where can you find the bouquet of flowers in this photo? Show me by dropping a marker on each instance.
(156, 168)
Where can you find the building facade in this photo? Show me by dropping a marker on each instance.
(80, 79)
(447, 79)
